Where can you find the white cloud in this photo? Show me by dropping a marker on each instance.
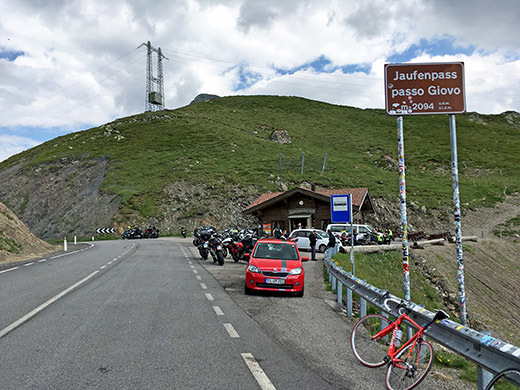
(12, 144)
(81, 67)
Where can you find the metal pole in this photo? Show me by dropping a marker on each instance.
(362, 307)
(349, 303)
(324, 161)
(280, 164)
(404, 220)
(303, 158)
(456, 214)
(351, 237)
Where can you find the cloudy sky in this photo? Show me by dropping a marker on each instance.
(72, 65)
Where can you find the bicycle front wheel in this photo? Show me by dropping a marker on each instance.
(369, 352)
(413, 369)
(507, 379)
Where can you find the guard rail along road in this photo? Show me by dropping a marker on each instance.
(490, 354)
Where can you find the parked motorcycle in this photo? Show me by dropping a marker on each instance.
(151, 232)
(216, 249)
(132, 234)
(202, 237)
(246, 243)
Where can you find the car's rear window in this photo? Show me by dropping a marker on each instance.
(276, 251)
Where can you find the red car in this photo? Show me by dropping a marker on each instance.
(275, 265)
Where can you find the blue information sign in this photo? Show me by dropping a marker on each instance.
(341, 208)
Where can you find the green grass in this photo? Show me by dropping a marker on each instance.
(386, 269)
(228, 140)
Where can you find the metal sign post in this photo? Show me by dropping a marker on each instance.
(456, 213)
(341, 212)
(404, 219)
(418, 89)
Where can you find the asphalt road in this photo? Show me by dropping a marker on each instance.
(134, 315)
(150, 314)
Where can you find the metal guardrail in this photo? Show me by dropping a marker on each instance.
(489, 353)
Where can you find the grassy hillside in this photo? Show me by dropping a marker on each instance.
(228, 140)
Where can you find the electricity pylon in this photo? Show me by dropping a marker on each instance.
(154, 85)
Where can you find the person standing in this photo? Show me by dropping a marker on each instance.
(312, 241)
(332, 240)
(277, 232)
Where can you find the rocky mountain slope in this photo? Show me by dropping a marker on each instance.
(16, 240)
(206, 162)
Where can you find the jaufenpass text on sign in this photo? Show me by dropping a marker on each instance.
(414, 89)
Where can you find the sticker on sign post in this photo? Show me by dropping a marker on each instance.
(432, 88)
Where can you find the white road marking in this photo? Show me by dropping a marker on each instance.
(258, 373)
(31, 314)
(209, 296)
(218, 310)
(42, 260)
(10, 269)
(28, 264)
(203, 286)
(192, 266)
(195, 271)
(103, 267)
(199, 277)
(232, 332)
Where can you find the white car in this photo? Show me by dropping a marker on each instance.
(303, 239)
(363, 230)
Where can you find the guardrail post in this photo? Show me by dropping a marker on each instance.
(349, 303)
(483, 376)
(333, 283)
(362, 307)
(339, 293)
(384, 324)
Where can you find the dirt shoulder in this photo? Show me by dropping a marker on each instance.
(17, 243)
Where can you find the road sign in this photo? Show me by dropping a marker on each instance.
(105, 230)
(415, 89)
(340, 208)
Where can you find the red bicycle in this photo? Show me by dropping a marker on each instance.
(408, 364)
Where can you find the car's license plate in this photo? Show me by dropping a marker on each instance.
(275, 281)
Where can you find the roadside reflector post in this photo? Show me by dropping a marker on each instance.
(65, 244)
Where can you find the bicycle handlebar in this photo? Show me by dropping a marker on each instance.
(403, 305)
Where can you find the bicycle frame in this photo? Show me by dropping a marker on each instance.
(392, 327)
